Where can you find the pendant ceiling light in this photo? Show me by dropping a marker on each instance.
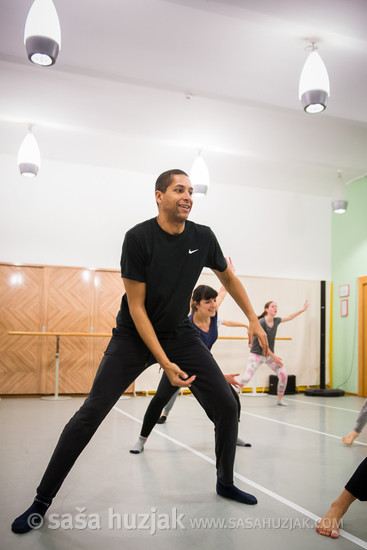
(29, 157)
(199, 176)
(42, 34)
(339, 206)
(340, 203)
(314, 86)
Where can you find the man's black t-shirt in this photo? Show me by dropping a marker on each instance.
(170, 265)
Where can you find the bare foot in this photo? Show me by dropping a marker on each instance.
(330, 523)
(349, 438)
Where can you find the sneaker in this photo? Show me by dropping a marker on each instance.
(162, 419)
(282, 403)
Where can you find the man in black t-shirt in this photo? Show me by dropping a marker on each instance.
(161, 261)
(168, 265)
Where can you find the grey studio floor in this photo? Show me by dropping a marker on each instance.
(165, 497)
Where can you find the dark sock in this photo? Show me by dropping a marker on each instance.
(234, 493)
(162, 419)
(31, 518)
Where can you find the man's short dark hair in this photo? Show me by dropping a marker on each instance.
(165, 179)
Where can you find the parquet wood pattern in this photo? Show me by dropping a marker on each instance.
(44, 298)
(69, 296)
(109, 289)
(21, 309)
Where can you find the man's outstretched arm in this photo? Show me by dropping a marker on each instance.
(236, 289)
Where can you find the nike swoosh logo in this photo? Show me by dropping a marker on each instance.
(192, 251)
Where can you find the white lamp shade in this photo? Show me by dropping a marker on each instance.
(42, 33)
(199, 176)
(314, 85)
(339, 202)
(339, 206)
(29, 157)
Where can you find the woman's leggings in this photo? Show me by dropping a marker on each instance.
(253, 363)
(171, 402)
(357, 485)
(161, 397)
(362, 418)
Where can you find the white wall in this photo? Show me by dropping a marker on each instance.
(267, 232)
(69, 214)
(76, 215)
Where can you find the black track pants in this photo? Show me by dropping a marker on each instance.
(125, 358)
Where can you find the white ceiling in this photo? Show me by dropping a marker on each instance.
(118, 94)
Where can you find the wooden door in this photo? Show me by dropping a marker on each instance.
(362, 336)
(20, 310)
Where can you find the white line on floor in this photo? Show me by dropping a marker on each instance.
(298, 427)
(289, 503)
(319, 405)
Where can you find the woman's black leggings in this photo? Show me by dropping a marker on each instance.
(357, 485)
(162, 397)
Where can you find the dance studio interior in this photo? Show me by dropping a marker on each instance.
(263, 105)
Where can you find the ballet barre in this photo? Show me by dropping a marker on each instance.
(246, 338)
(56, 396)
(58, 335)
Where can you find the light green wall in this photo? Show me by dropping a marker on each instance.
(349, 262)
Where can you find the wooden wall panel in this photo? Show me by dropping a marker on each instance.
(54, 299)
(68, 309)
(109, 289)
(21, 310)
